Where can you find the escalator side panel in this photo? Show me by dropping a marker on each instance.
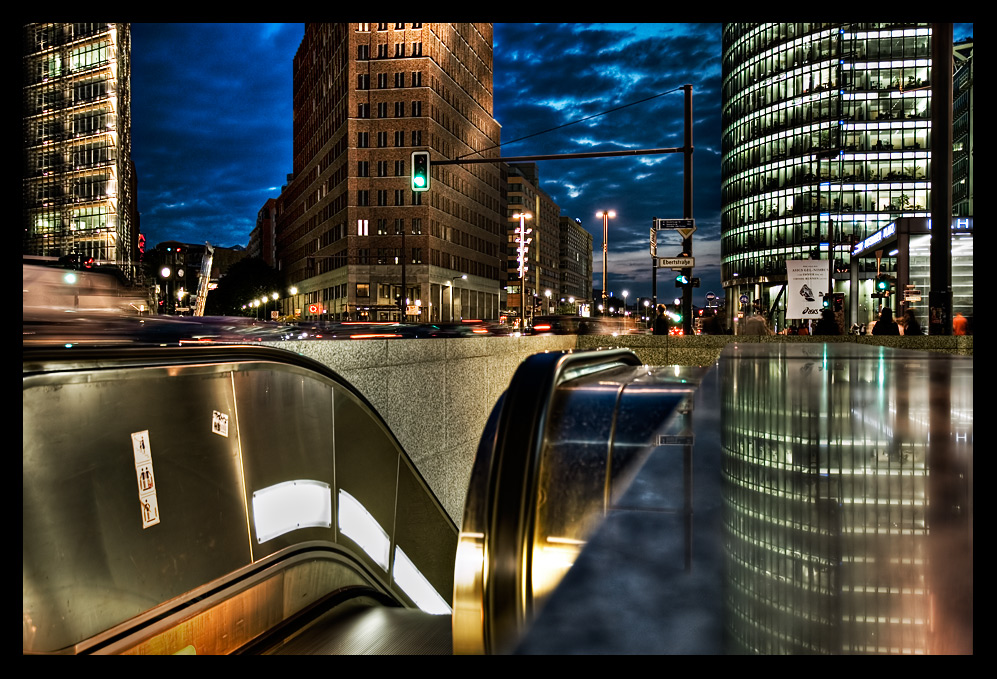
(87, 562)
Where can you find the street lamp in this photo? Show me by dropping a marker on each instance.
(521, 237)
(458, 278)
(547, 295)
(605, 214)
(625, 293)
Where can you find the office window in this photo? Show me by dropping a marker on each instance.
(416, 78)
(417, 226)
(363, 28)
(363, 81)
(382, 109)
(362, 227)
(382, 80)
(399, 168)
(399, 49)
(382, 197)
(363, 140)
(363, 198)
(382, 168)
(399, 109)
(363, 289)
(382, 50)
(399, 196)
(416, 109)
(417, 49)
(399, 227)
(399, 80)
(382, 139)
(416, 137)
(382, 227)
(400, 138)
(417, 255)
(363, 52)
(363, 110)
(363, 168)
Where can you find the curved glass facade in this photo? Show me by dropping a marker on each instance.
(826, 138)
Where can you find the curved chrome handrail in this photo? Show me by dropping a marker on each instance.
(493, 599)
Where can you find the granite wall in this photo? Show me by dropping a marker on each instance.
(436, 394)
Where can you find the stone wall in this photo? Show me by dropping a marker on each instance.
(436, 394)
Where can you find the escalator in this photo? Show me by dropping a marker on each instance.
(244, 499)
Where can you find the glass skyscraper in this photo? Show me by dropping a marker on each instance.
(826, 140)
(78, 178)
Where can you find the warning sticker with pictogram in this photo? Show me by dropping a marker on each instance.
(148, 501)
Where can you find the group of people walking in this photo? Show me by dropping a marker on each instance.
(756, 324)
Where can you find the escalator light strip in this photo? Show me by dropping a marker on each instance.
(291, 505)
(356, 523)
(417, 587)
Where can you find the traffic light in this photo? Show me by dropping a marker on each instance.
(420, 170)
(883, 286)
(681, 281)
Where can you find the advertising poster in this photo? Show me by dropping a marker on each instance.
(808, 281)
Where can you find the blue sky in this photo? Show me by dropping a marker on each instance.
(212, 123)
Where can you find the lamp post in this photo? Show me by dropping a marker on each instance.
(521, 237)
(547, 294)
(458, 278)
(625, 293)
(605, 214)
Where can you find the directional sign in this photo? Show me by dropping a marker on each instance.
(675, 223)
(676, 262)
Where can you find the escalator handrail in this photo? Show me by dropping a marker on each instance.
(512, 483)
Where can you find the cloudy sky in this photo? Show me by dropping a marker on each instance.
(211, 122)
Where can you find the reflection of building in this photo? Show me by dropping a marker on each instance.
(178, 268)
(78, 174)
(826, 140)
(262, 240)
(351, 234)
(826, 467)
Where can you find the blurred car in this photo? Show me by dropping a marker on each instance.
(577, 325)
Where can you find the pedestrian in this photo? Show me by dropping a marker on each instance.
(911, 326)
(828, 324)
(755, 325)
(886, 325)
(711, 324)
(660, 321)
(959, 324)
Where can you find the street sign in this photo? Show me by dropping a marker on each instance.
(686, 233)
(654, 243)
(675, 223)
(676, 262)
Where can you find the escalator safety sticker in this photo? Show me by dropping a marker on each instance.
(148, 502)
(219, 423)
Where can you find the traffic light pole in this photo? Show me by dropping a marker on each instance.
(687, 212)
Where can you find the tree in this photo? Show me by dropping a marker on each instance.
(248, 279)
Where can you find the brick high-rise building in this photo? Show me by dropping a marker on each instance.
(352, 236)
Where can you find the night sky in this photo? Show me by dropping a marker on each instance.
(212, 121)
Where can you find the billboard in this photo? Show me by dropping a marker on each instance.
(808, 283)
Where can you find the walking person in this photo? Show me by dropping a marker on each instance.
(911, 326)
(886, 325)
(828, 324)
(660, 321)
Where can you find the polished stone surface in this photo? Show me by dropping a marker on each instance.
(831, 513)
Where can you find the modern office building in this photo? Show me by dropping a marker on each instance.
(352, 236)
(78, 177)
(963, 127)
(826, 141)
(542, 272)
(575, 279)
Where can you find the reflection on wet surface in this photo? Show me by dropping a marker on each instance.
(848, 499)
